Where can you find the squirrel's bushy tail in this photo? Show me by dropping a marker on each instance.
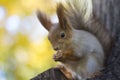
(82, 8)
(80, 16)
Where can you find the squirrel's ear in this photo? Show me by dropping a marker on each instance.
(44, 19)
(62, 17)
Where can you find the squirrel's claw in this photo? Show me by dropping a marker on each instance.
(57, 56)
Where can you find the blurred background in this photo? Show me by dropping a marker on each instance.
(24, 48)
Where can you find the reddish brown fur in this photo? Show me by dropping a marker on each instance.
(66, 72)
(67, 55)
(63, 22)
(44, 19)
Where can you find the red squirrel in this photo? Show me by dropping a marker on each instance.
(81, 42)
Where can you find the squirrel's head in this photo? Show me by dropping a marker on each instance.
(59, 33)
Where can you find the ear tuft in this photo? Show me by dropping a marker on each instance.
(60, 10)
(61, 15)
(44, 19)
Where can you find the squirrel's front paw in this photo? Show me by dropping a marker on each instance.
(57, 56)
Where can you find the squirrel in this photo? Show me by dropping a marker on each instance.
(81, 41)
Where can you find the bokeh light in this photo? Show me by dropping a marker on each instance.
(24, 48)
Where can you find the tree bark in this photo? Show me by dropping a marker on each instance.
(51, 74)
(108, 11)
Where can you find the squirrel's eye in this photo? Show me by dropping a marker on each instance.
(62, 35)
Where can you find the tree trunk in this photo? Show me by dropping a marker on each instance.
(108, 11)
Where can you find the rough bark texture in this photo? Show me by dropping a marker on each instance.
(109, 13)
(51, 74)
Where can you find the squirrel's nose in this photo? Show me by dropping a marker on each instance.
(56, 48)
